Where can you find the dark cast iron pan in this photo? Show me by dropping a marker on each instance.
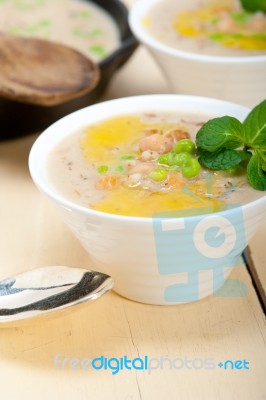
(20, 119)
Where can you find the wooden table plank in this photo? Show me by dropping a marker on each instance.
(256, 257)
(31, 234)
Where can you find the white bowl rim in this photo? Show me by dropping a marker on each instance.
(41, 183)
(139, 9)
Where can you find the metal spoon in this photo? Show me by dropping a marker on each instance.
(48, 289)
(41, 72)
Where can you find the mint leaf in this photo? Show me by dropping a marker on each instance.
(254, 5)
(263, 164)
(217, 133)
(255, 127)
(255, 174)
(222, 159)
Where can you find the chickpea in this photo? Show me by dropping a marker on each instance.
(107, 182)
(156, 142)
(177, 134)
(226, 25)
(134, 179)
(151, 131)
(149, 155)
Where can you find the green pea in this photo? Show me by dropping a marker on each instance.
(166, 159)
(182, 158)
(184, 146)
(158, 174)
(102, 169)
(191, 169)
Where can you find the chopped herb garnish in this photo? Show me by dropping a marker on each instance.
(128, 157)
(98, 50)
(217, 36)
(43, 26)
(87, 34)
(28, 5)
(95, 32)
(85, 14)
(102, 169)
(240, 17)
(120, 169)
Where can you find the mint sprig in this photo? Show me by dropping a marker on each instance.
(224, 143)
(254, 5)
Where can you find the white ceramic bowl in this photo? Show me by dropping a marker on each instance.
(152, 260)
(237, 79)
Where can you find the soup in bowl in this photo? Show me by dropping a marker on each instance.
(126, 178)
(97, 28)
(208, 47)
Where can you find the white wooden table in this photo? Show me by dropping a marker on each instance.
(220, 329)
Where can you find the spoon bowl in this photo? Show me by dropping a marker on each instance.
(49, 289)
(41, 72)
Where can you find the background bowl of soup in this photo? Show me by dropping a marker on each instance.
(159, 249)
(219, 50)
(97, 28)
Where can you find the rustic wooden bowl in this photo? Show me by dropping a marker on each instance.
(20, 119)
